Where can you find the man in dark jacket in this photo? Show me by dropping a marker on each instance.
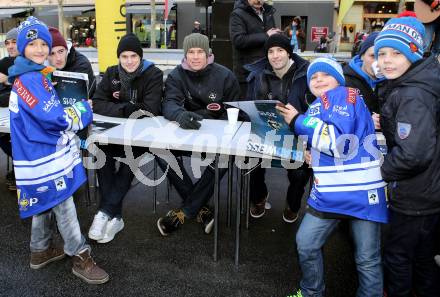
(250, 25)
(359, 73)
(132, 85)
(410, 121)
(282, 76)
(65, 59)
(195, 90)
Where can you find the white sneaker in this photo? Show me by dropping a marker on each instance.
(96, 231)
(113, 227)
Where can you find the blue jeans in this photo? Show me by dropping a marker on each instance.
(310, 239)
(68, 225)
(430, 29)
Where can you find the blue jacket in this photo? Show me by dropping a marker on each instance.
(45, 149)
(345, 156)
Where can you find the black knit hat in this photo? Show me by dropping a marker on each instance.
(131, 43)
(280, 40)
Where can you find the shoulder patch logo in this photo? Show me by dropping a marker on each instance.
(403, 130)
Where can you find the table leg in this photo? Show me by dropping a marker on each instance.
(238, 218)
(216, 206)
(229, 201)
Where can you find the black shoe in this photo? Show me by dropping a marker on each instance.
(206, 218)
(171, 221)
(10, 178)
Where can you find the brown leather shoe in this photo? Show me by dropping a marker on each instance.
(258, 210)
(85, 268)
(289, 216)
(41, 259)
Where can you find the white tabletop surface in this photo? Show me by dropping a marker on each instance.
(214, 136)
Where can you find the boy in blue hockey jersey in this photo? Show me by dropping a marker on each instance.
(410, 121)
(47, 160)
(347, 181)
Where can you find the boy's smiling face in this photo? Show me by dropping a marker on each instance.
(321, 82)
(37, 51)
(392, 63)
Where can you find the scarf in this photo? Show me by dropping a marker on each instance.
(126, 81)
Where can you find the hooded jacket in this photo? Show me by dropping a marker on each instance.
(77, 62)
(355, 77)
(146, 92)
(45, 149)
(201, 91)
(248, 35)
(410, 123)
(263, 84)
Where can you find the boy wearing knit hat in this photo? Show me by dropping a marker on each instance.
(281, 75)
(66, 58)
(134, 85)
(41, 129)
(410, 123)
(347, 182)
(195, 90)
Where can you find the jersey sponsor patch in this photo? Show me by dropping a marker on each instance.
(403, 130)
(60, 184)
(213, 107)
(351, 96)
(315, 109)
(24, 94)
(13, 102)
(373, 197)
(311, 122)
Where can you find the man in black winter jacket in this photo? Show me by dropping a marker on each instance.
(250, 25)
(195, 90)
(410, 121)
(282, 76)
(132, 85)
(68, 59)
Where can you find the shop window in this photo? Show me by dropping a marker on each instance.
(165, 32)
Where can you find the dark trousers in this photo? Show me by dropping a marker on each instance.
(194, 196)
(298, 179)
(409, 256)
(114, 184)
(5, 144)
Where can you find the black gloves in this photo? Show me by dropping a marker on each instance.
(129, 108)
(189, 120)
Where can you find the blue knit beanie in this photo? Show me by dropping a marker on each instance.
(367, 43)
(327, 65)
(404, 34)
(32, 29)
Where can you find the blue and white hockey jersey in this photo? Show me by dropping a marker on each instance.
(45, 149)
(345, 156)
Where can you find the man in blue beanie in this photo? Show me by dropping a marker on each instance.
(410, 122)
